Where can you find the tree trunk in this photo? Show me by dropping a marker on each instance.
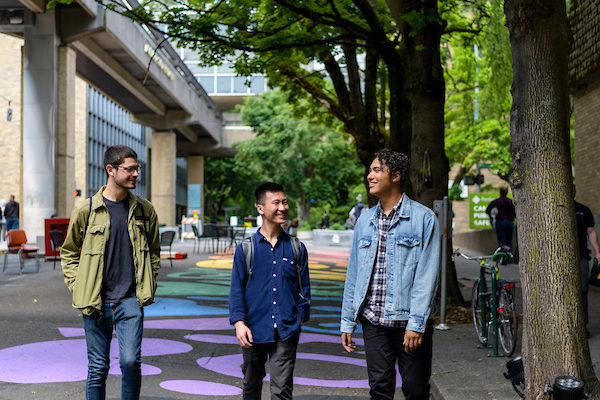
(429, 164)
(554, 337)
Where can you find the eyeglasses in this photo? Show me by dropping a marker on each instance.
(129, 170)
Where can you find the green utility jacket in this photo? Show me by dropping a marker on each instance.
(84, 270)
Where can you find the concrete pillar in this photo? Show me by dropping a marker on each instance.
(164, 168)
(40, 97)
(195, 175)
(65, 153)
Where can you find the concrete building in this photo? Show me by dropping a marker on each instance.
(81, 78)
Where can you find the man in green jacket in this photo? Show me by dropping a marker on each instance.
(110, 259)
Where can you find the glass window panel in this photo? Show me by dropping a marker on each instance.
(224, 84)
(197, 69)
(239, 84)
(208, 83)
(226, 68)
(257, 84)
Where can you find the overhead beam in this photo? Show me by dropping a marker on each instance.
(188, 133)
(100, 57)
(37, 6)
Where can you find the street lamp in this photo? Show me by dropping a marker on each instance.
(567, 388)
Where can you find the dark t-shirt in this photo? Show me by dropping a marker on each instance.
(119, 279)
(585, 220)
(11, 210)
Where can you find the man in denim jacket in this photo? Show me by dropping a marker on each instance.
(391, 283)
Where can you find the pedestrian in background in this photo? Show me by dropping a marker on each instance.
(270, 299)
(585, 231)
(11, 213)
(114, 274)
(391, 285)
(505, 216)
(325, 223)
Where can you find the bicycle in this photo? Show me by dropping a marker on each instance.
(494, 310)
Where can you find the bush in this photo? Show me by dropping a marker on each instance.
(338, 227)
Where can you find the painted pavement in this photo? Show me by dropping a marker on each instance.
(193, 302)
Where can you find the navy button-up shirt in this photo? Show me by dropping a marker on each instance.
(268, 298)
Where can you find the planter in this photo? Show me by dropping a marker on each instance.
(304, 235)
(326, 237)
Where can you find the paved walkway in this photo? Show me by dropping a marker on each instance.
(190, 351)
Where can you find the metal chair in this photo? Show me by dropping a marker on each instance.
(238, 234)
(16, 241)
(166, 240)
(57, 238)
(209, 234)
(196, 238)
(224, 234)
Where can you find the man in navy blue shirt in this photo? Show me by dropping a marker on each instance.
(267, 305)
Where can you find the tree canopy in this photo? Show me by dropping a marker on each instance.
(315, 163)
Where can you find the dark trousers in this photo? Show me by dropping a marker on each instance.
(282, 356)
(383, 348)
(584, 264)
(504, 233)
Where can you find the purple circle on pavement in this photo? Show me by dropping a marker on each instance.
(202, 388)
(66, 360)
(230, 365)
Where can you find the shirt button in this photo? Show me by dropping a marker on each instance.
(274, 302)
(274, 289)
(272, 316)
(271, 249)
(274, 275)
(274, 262)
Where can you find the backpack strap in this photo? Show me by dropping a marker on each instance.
(248, 248)
(297, 250)
(144, 219)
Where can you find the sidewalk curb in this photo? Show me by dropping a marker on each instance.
(435, 392)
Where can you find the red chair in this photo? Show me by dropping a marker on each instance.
(16, 240)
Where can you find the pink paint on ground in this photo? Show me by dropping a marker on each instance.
(201, 388)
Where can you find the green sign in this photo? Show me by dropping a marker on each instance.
(485, 166)
(478, 203)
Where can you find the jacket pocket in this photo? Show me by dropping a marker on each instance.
(141, 235)
(94, 240)
(407, 250)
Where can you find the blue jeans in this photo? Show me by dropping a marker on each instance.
(127, 317)
(12, 223)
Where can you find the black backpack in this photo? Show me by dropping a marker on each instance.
(248, 248)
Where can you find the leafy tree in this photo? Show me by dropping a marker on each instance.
(478, 77)
(315, 164)
(228, 183)
(554, 337)
(359, 70)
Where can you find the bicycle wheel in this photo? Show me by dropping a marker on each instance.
(477, 316)
(507, 323)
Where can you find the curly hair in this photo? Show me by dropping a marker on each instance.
(395, 161)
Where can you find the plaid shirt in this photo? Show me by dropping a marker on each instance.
(374, 309)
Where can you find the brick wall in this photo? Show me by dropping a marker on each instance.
(80, 138)
(10, 131)
(587, 145)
